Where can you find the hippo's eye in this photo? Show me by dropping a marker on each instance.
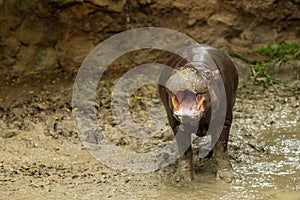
(206, 74)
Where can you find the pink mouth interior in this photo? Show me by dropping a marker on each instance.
(189, 101)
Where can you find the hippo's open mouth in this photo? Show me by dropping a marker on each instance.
(188, 106)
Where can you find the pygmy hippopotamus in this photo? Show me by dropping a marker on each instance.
(203, 80)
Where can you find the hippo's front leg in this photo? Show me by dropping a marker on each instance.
(221, 156)
(185, 171)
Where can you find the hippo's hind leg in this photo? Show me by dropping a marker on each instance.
(221, 156)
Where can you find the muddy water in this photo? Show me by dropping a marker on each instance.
(268, 169)
(42, 157)
(274, 173)
(264, 147)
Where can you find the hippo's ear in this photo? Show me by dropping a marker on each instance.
(216, 74)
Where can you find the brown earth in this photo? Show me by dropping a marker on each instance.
(37, 35)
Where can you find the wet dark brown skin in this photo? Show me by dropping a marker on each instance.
(197, 111)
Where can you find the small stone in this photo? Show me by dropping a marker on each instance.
(192, 22)
(8, 134)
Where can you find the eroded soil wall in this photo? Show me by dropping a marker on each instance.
(38, 35)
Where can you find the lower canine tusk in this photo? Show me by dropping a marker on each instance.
(175, 103)
(200, 103)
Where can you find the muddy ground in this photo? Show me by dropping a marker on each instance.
(42, 156)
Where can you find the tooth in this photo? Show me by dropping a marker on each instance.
(175, 103)
(200, 103)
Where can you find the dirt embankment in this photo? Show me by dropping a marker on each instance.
(47, 34)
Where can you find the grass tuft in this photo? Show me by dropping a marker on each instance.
(285, 51)
(273, 54)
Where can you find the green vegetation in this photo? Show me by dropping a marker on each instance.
(259, 71)
(272, 55)
(283, 52)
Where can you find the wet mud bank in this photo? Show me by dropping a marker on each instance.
(42, 155)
